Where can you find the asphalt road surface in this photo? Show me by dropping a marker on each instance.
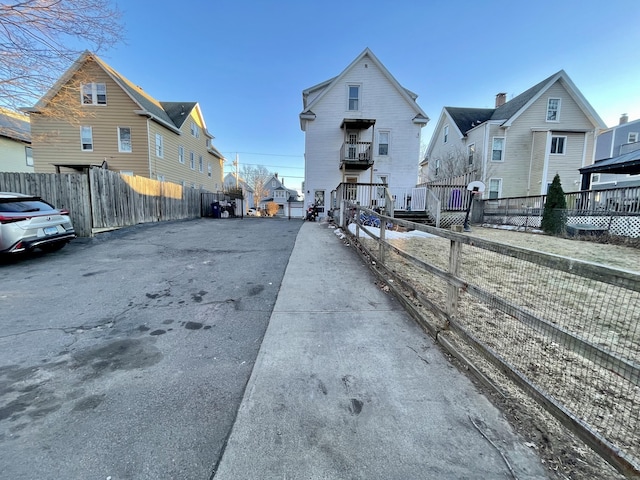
(126, 356)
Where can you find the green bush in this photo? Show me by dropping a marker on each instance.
(554, 214)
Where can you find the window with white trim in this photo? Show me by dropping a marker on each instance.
(124, 139)
(497, 149)
(195, 130)
(553, 110)
(181, 154)
(471, 153)
(437, 166)
(558, 145)
(192, 160)
(94, 93)
(445, 135)
(28, 152)
(383, 143)
(632, 137)
(354, 97)
(159, 146)
(86, 138)
(128, 173)
(495, 188)
(209, 170)
(595, 177)
(200, 164)
(280, 194)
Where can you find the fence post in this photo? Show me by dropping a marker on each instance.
(452, 291)
(381, 240)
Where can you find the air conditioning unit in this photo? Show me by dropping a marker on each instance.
(362, 156)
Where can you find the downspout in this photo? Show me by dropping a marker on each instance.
(486, 153)
(533, 144)
(373, 128)
(545, 169)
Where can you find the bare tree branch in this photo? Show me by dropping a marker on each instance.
(39, 39)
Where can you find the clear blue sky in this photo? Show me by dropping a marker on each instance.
(247, 62)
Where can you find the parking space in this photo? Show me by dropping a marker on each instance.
(126, 355)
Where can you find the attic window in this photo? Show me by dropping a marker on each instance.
(94, 93)
(553, 110)
(195, 131)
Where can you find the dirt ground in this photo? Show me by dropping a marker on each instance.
(565, 456)
(626, 257)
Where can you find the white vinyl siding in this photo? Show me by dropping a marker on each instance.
(124, 140)
(86, 138)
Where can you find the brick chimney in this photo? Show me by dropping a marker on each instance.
(501, 99)
(624, 118)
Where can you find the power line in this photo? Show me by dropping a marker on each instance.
(265, 154)
(273, 166)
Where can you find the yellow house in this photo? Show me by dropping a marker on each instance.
(109, 121)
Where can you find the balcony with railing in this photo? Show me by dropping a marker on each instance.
(356, 156)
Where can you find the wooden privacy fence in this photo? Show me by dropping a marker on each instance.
(564, 331)
(103, 199)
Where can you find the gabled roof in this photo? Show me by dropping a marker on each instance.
(15, 126)
(468, 118)
(168, 114)
(327, 85)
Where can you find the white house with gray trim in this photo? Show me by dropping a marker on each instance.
(361, 126)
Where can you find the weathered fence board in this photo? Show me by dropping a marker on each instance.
(103, 199)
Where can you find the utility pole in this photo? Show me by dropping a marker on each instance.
(235, 163)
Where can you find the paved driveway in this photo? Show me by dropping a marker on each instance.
(125, 356)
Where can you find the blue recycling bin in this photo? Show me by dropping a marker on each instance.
(215, 208)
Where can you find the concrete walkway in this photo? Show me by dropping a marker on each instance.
(347, 386)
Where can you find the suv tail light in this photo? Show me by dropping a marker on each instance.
(64, 211)
(4, 219)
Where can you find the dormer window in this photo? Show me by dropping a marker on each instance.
(94, 93)
(354, 97)
(553, 110)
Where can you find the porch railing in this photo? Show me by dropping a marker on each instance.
(354, 152)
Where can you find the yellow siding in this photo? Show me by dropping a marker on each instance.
(57, 141)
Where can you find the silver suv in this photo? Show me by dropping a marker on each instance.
(29, 222)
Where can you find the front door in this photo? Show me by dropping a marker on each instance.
(352, 189)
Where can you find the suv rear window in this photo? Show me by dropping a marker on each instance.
(18, 205)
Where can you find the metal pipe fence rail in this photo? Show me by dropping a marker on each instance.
(567, 332)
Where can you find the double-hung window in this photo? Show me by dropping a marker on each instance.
(632, 137)
(192, 160)
(86, 138)
(558, 145)
(354, 97)
(181, 154)
(495, 187)
(94, 93)
(553, 110)
(124, 139)
(497, 150)
(471, 153)
(159, 146)
(209, 170)
(29, 156)
(195, 130)
(200, 164)
(383, 143)
(445, 134)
